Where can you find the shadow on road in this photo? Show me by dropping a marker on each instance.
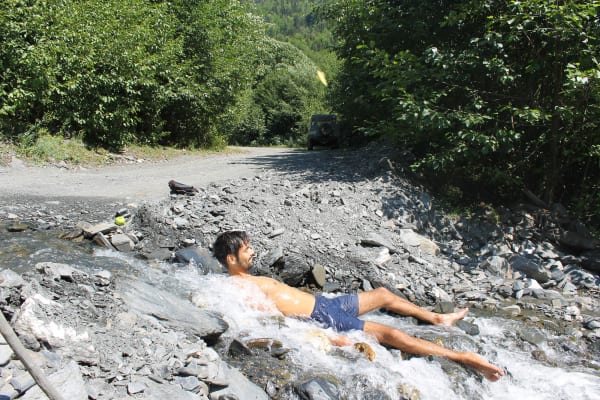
(320, 165)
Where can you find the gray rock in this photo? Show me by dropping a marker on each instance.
(172, 311)
(6, 354)
(317, 389)
(239, 386)
(497, 265)
(22, 382)
(468, 327)
(9, 278)
(180, 223)
(7, 392)
(532, 336)
(593, 324)
(122, 242)
(188, 383)
(276, 232)
(411, 238)
(136, 387)
(530, 268)
(273, 256)
(58, 271)
(319, 275)
(157, 391)
(103, 228)
(202, 257)
(68, 379)
(293, 270)
(160, 255)
(102, 241)
(375, 239)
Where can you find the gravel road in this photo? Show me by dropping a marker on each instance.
(144, 180)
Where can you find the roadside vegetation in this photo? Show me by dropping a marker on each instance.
(491, 98)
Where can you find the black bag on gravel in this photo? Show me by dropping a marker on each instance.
(181, 188)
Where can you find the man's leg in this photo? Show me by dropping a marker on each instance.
(409, 344)
(383, 298)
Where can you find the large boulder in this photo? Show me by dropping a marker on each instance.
(530, 268)
(172, 311)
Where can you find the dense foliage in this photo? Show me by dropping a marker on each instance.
(182, 72)
(491, 96)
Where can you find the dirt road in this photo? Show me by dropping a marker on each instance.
(141, 181)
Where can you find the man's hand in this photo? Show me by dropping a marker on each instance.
(366, 349)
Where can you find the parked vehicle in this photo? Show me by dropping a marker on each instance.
(323, 131)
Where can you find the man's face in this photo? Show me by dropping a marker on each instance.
(245, 256)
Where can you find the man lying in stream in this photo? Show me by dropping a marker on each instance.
(233, 250)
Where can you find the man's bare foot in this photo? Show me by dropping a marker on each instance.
(450, 319)
(490, 371)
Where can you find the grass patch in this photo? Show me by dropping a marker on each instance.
(6, 152)
(47, 149)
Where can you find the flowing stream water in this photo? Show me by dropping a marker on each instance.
(560, 376)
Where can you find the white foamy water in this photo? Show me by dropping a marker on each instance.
(250, 316)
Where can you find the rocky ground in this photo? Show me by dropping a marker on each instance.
(348, 221)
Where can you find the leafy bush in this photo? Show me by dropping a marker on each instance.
(123, 71)
(490, 95)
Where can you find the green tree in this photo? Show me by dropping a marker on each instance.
(123, 71)
(490, 95)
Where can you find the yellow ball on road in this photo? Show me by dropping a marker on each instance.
(120, 221)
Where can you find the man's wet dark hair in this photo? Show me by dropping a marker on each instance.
(229, 243)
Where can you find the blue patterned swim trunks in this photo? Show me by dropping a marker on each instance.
(339, 313)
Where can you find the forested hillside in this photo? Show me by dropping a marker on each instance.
(298, 22)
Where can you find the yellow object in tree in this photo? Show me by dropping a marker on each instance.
(321, 76)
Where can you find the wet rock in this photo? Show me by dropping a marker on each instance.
(238, 349)
(317, 389)
(203, 259)
(10, 279)
(238, 386)
(593, 324)
(172, 311)
(160, 255)
(532, 336)
(122, 242)
(468, 327)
